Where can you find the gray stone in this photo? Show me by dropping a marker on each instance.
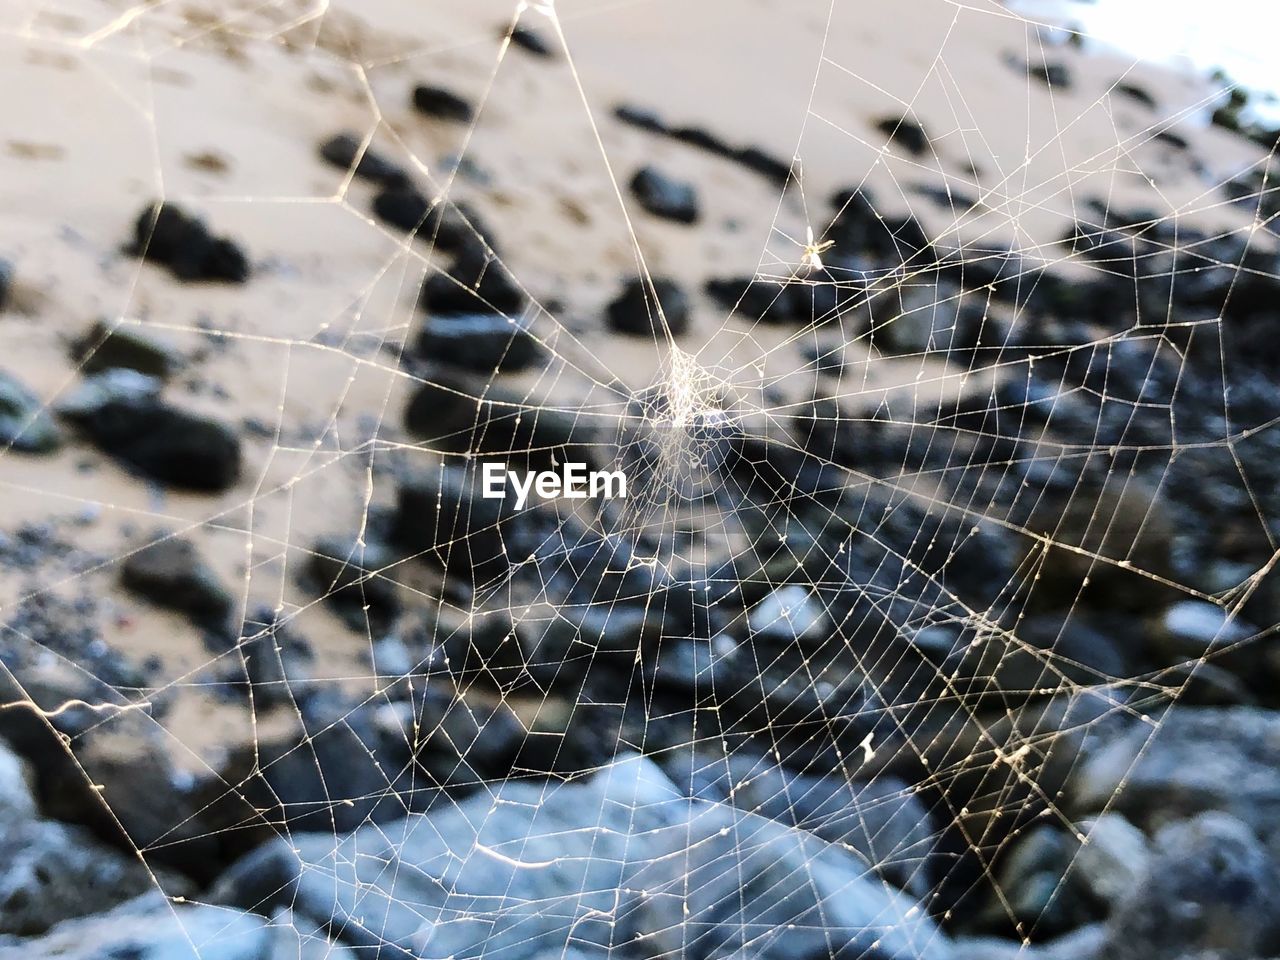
(25, 425)
(121, 412)
(1112, 860)
(296, 938)
(150, 928)
(881, 820)
(1195, 759)
(1030, 880)
(529, 868)
(16, 801)
(53, 871)
(787, 614)
(635, 311)
(1210, 888)
(1191, 629)
(170, 573)
(665, 196)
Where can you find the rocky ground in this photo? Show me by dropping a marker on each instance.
(939, 621)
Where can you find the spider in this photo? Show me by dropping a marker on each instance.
(811, 259)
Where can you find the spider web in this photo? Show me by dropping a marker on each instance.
(965, 411)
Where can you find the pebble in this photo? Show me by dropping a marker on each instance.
(633, 311)
(165, 234)
(441, 104)
(665, 197)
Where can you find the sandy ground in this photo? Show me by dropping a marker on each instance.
(220, 107)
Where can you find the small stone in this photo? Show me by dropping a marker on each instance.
(165, 234)
(1210, 889)
(665, 197)
(122, 413)
(353, 580)
(442, 104)
(108, 346)
(450, 412)
(1112, 860)
(1055, 75)
(477, 283)
(346, 150)
(765, 300)
(755, 159)
(25, 425)
(273, 655)
(170, 573)
(640, 118)
(788, 614)
(1135, 93)
(480, 342)
(531, 41)
(634, 312)
(907, 133)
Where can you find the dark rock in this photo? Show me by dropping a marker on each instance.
(665, 197)
(1135, 93)
(346, 150)
(442, 104)
(625, 830)
(357, 581)
(107, 347)
(449, 227)
(581, 566)
(860, 231)
(531, 41)
(25, 426)
(165, 234)
(477, 283)
(907, 133)
(122, 784)
(634, 312)
(765, 300)
(1030, 880)
(6, 282)
(402, 206)
(640, 118)
(170, 573)
(122, 413)
(755, 159)
(1210, 890)
(1045, 654)
(479, 342)
(343, 769)
(1054, 75)
(150, 927)
(1175, 140)
(442, 516)
(455, 735)
(702, 139)
(53, 871)
(272, 655)
(457, 415)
